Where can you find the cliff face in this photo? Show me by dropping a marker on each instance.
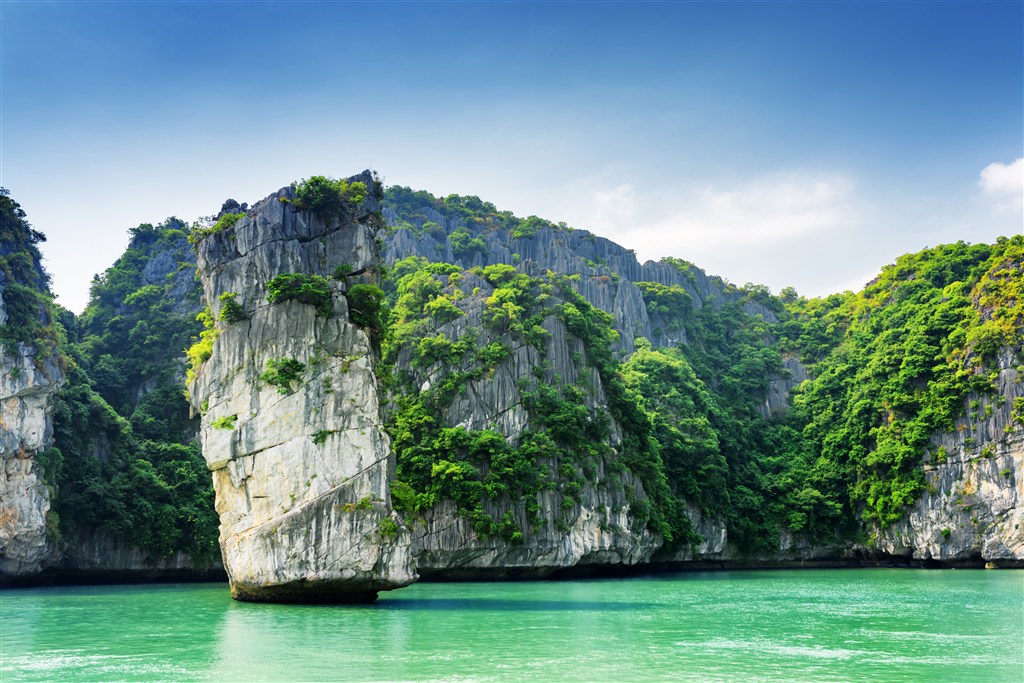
(603, 520)
(301, 465)
(511, 437)
(505, 426)
(731, 337)
(28, 382)
(30, 374)
(607, 272)
(974, 503)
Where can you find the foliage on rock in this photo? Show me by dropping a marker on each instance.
(328, 198)
(308, 289)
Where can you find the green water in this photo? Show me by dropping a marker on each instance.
(853, 625)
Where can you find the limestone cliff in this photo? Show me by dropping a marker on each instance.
(973, 507)
(28, 381)
(301, 465)
(30, 374)
(516, 491)
(608, 272)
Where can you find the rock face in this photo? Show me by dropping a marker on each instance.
(598, 527)
(301, 469)
(594, 525)
(607, 271)
(27, 384)
(580, 509)
(973, 507)
(96, 553)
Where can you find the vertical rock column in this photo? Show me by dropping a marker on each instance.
(301, 464)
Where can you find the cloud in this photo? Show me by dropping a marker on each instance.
(617, 204)
(1004, 183)
(772, 209)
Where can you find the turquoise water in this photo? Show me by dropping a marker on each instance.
(812, 625)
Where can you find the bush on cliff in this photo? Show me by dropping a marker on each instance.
(328, 198)
(308, 289)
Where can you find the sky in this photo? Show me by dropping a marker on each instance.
(802, 144)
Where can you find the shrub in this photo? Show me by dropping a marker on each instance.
(387, 528)
(226, 422)
(365, 307)
(327, 197)
(342, 271)
(281, 372)
(230, 310)
(202, 349)
(198, 233)
(363, 504)
(308, 289)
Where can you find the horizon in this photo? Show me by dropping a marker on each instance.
(779, 143)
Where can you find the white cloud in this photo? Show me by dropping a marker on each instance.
(774, 209)
(768, 210)
(616, 204)
(801, 228)
(1004, 183)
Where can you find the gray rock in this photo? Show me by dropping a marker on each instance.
(302, 475)
(28, 383)
(973, 506)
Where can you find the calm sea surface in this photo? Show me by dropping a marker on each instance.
(812, 625)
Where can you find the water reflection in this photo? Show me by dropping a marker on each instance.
(506, 605)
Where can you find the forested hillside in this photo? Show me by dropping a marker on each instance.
(123, 469)
(873, 376)
(125, 457)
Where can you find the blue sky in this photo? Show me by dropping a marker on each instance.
(784, 143)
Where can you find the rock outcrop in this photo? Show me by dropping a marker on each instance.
(28, 381)
(973, 507)
(584, 515)
(301, 468)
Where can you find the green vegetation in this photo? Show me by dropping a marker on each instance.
(366, 309)
(387, 528)
(226, 422)
(230, 310)
(889, 367)
(202, 348)
(361, 504)
(567, 442)
(154, 492)
(328, 198)
(139, 319)
(282, 373)
(320, 437)
(917, 343)
(199, 232)
(26, 292)
(470, 219)
(125, 458)
(308, 289)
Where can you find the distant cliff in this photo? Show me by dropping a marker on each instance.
(120, 490)
(877, 378)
